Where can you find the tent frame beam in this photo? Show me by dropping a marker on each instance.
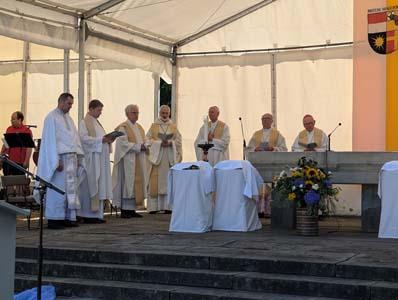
(50, 6)
(270, 50)
(66, 71)
(82, 39)
(100, 8)
(24, 96)
(224, 22)
(116, 40)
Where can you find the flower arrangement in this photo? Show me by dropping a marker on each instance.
(307, 185)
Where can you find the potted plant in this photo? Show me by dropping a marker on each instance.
(310, 189)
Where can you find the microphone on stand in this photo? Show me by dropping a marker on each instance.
(243, 136)
(31, 126)
(330, 134)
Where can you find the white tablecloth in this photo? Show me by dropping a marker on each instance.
(237, 190)
(190, 197)
(388, 192)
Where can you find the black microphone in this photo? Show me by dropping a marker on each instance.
(243, 136)
(31, 126)
(330, 134)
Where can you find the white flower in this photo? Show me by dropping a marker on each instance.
(293, 188)
(301, 186)
(315, 187)
(283, 173)
(329, 172)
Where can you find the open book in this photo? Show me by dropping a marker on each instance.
(264, 146)
(310, 146)
(164, 136)
(114, 134)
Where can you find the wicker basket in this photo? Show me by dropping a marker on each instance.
(306, 224)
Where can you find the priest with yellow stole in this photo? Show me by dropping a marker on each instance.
(311, 138)
(164, 152)
(214, 132)
(129, 169)
(267, 138)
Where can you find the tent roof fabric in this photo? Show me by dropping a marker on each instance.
(164, 21)
(147, 30)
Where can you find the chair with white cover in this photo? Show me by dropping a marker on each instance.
(238, 186)
(190, 188)
(388, 192)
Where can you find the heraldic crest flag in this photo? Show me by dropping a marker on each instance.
(383, 29)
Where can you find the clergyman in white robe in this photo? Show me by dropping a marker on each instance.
(96, 186)
(217, 133)
(129, 170)
(267, 138)
(60, 155)
(164, 152)
(310, 135)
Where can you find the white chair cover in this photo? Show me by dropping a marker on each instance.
(190, 197)
(237, 189)
(388, 192)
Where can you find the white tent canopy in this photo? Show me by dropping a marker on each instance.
(248, 57)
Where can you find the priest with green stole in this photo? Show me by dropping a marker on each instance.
(129, 168)
(311, 138)
(165, 151)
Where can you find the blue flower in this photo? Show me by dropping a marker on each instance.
(311, 198)
(328, 183)
(298, 182)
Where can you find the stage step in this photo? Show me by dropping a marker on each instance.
(110, 290)
(206, 278)
(280, 265)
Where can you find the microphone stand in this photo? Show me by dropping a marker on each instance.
(244, 140)
(42, 187)
(330, 134)
(328, 147)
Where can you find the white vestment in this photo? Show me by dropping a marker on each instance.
(280, 143)
(97, 182)
(310, 135)
(60, 142)
(123, 174)
(164, 158)
(220, 151)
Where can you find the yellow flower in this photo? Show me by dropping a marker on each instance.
(321, 174)
(309, 182)
(296, 174)
(311, 172)
(291, 196)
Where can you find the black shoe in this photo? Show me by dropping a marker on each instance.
(93, 221)
(135, 215)
(153, 212)
(261, 215)
(69, 223)
(55, 224)
(167, 212)
(125, 214)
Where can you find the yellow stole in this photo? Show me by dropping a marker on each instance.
(218, 131)
(138, 182)
(272, 139)
(303, 137)
(153, 182)
(89, 122)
